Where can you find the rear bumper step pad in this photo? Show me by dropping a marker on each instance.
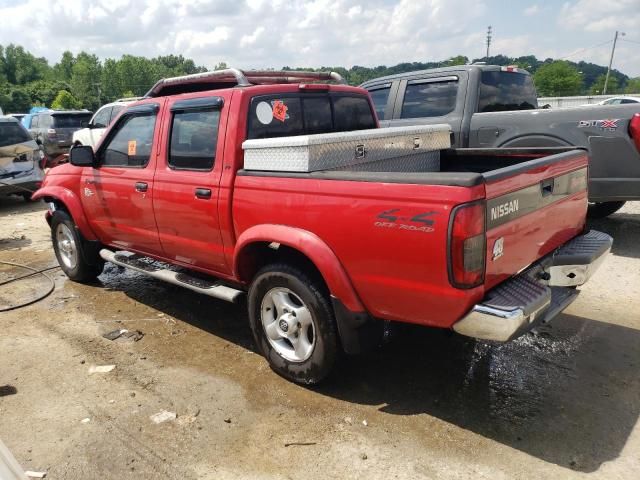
(516, 305)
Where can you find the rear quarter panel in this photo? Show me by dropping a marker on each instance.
(390, 238)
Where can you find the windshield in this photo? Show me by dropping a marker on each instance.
(11, 133)
(71, 121)
(504, 91)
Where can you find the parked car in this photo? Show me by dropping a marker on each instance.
(21, 160)
(245, 183)
(100, 121)
(17, 116)
(619, 101)
(53, 129)
(491, 106)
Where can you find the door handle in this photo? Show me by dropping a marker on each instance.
(204, 193)
(89, 181)
(547, 187)
(141, 187)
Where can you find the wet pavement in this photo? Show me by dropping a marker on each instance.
(562, 402)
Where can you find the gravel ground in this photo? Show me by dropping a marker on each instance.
(560, 403)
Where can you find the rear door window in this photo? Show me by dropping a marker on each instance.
(101, 120)
(291, 115)
(35, 121)
(505, 91)
(429, 98)
(115, 112)
(130, 145)
(194, 137)
(380, 97)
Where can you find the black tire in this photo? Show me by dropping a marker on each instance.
(88, 264)
(312, 293)
(27, 196)
(603, 209)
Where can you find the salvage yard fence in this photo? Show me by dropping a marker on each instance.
(560, 102)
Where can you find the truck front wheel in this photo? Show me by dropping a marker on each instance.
(293, 323)
(71, 251)
(603, 209)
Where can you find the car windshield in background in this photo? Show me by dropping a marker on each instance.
(290, 115)
(71, 121)
(505, 91)
(11, 133)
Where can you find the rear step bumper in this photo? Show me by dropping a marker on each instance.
(539, 293)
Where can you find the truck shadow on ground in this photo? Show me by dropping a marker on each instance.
(566, 394)
(625, 230)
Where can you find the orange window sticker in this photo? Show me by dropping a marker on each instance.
(279, 110)
(132, 148)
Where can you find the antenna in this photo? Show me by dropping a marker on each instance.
(488, 40)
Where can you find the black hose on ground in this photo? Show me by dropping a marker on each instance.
(34, 271)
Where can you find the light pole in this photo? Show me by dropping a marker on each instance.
(613, 49)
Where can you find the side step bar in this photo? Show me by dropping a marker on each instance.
(144, 265)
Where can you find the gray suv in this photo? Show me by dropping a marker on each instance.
(53, 129)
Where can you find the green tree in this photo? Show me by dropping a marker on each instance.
(633, 85)
(85, 80)
(558, 78)
(19, 100)
(65, 101)
(598, 86)
(457, 60)
(64, 69)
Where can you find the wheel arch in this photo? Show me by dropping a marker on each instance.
(262, 244)
(67, 200)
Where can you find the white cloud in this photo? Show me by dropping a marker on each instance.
(532, 10)
(275, 33)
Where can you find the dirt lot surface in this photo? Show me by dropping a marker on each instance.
(561, 403)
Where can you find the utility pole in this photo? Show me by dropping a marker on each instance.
(613, 50)
(488, 41)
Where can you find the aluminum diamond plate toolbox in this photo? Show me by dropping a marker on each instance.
(414, 148)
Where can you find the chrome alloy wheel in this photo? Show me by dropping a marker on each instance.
(288, 324)
(66, 246)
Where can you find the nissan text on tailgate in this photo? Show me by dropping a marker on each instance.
(279, 186)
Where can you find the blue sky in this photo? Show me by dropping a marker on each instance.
(274, 33)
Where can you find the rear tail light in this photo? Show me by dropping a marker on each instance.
(43, 159)
(51, 133)
(467, 245)
(634, 130)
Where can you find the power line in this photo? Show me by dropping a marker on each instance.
(585, 49)
(632, 41)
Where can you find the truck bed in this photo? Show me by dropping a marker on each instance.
(399, 266)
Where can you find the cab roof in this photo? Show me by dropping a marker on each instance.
(233, 77)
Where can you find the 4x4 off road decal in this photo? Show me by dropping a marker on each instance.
(506, 208)
(414, 222)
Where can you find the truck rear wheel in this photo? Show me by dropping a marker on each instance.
(603, 209)
(71, 251)
(293, 323)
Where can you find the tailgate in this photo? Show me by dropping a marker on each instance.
(532, 209)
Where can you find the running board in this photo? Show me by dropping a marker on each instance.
(146, 265)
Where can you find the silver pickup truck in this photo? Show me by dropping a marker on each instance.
(490, 106)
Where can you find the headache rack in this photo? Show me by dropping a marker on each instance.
(230, 77)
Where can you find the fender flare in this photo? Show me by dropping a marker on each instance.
(310, 245)
(72, 203)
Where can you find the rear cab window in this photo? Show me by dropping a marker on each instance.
(70, 120)
(12, 133)
(291, 114)
(502, 91)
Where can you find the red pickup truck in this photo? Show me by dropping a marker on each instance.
(490, 244)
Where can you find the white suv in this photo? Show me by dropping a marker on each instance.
(100, 121)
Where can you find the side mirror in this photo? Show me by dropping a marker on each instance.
(82, 156)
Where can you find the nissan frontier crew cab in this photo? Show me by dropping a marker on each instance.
(269, 185)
